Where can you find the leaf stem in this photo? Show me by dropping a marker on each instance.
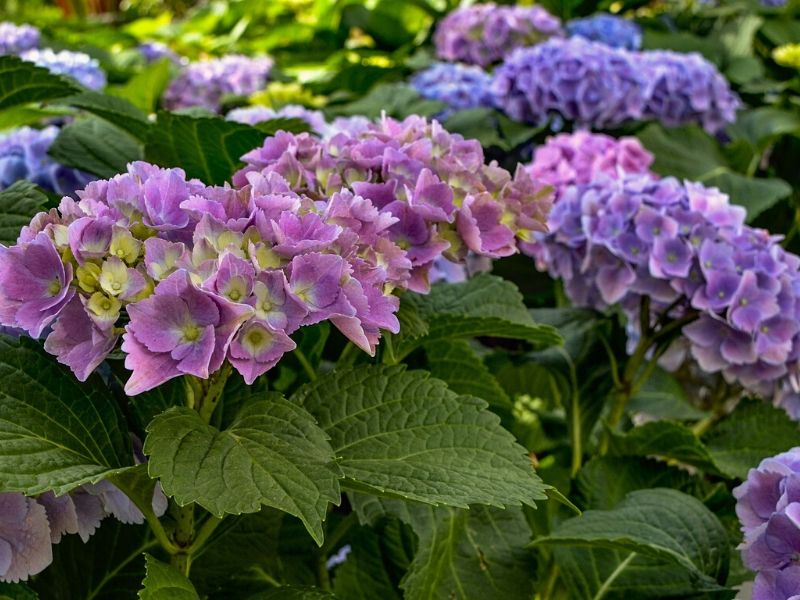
(348, 355)
(389, 357)
(310, 372)
(150, 517)
(606, 587)
(213, 392)
(184, 537)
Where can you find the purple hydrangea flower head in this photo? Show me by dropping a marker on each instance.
(456, 85)
(484, 33)
(685, 88)
(23, 155)
(778, 584)
(205, 83)
(774, 3)
(25, 547)
(253, 115)
(79, 66)
(153, 51)
(586, 82)
(15, 39)
(607, 29)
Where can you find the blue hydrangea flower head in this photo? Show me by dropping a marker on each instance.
(457, 85)
(607, 29)
(17, 38)
(77, 65)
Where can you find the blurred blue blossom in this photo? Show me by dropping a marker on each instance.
(459, 86)
(77, 65)
(607, 29)
(17, 38)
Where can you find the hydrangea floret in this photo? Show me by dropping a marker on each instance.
(77, 65)
(607, 29)
(15, 39)
(457, 85)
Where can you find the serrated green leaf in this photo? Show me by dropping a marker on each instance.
(144, 89)
(55, 432)
(18, 203)
(22, 82)
(363, 574)
(117, 111)
(208, 148)
(17, 116)
(273, 454)
(483, 305)
(290, 124)
(95, 146)
(404, 434)
(163, 582)
(395, 99)
(753, 432)
(667, 440)
(457, 364)
(661, 523)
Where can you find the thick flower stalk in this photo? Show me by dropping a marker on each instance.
(79, 66)
(483, 34)
(456, 85)
(15, 39)
(23, 155)
(768, 507)
(206, 83)
(442, 197)
(607, 29)
(597, 86)
(684, 249)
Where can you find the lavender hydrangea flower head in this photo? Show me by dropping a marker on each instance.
(79, 66)
(484, 33)
(23, 155)
(607, 29)
(205, 83)
(459, 86)
(685, 88)
(773, 3)
(253, 115)
(15, 39)
(586, 82)
(153, 51)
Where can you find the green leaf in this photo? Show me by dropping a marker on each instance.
(753, 432)
(20, 115)
(483, 305)
(760, 126)
(395, 99)
(660, 523)
(55, 432)
(95, 146)
(457, 364)
(272, 454)
(466, 554)
(663, 397)
(293, 592)
(667, 440)
(290, 124)
(404, 434)
(208, 148)
(144, 89)
(364, 574)
(117, 111)
(147, 406)
(781, 31)
(163, 582)
(16, 591)
(756, 194)
(18, 203)
(22, 82)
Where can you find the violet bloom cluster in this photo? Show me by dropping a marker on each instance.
(768, 506)
(483, 34)
(153, 51)
(607, 29)
(29, 527)
(597, 86)
(15, 39)
(456, 85)
(23, 155)
(624, 236)
(79, 66)
(442, 198)
(252, 115)
(204, 84)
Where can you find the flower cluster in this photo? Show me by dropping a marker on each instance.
(768, 506)
(206, 83)
(153, 51)
(484, 33)
(686, 88)
(17, 38)
(191, 276)
(607, 29)
(773, 3)
(441, 195)
(685, 247)
(595, 85)
(252, 115)
(79, 66)
(458, 86)
(23, 155)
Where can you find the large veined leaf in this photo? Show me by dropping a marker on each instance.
(96, 146)
(404, 434)
(163, 582)
(18, 203)
(208, 148)
(753, 432)
(484, 305)
(663, 397)
(272, 454)
(22, 82)
(115, 110)
(144, 88)
(363, 574)
(55, 432)
(660, 523)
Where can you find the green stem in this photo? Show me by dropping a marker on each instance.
(306, 364)
(323, 577)
(147, 510)
(205, 531)
(576, 428)
(389, 357)
(550, 583)
(184, 537)
(181, 562)
(332, 540)
(348, 355)
(213, 392)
